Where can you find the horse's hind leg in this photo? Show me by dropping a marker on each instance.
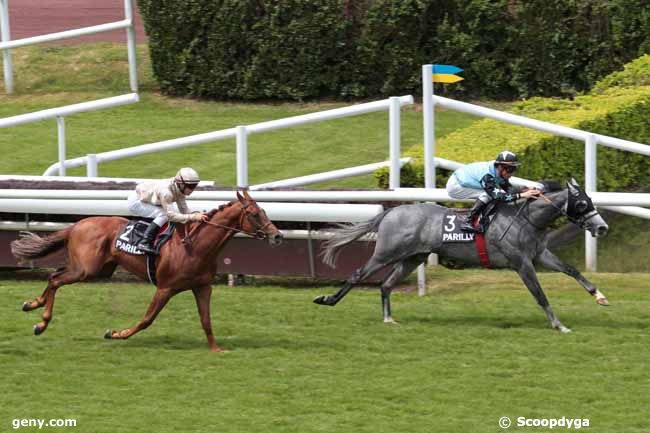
(160, 299)
(400, 270)
(372, 266)
(552, 262)
(56, 280)
(40, 301)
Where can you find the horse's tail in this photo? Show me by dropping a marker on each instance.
(31, 246)
(346, 234)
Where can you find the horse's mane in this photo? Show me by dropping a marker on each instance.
(220, 208)
(551, 185)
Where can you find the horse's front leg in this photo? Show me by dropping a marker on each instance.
(527, 273)
(202, 296)
(160, 299)
(552, 262)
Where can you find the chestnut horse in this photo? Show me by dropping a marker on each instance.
(185, 262)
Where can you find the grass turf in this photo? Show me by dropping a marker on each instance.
(475, 349)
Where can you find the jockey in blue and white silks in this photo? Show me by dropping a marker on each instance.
(486, 181)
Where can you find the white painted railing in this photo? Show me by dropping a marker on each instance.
(241, 133)
(59, 113)
(604, 199)
(278, 211)
(68, 110)
(332, 175)
(7, 44)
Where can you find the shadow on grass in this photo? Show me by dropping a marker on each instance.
(232, 343)
(574, 322)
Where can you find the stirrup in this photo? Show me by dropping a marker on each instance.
(147, 247)
(467, 227)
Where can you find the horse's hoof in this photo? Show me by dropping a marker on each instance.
(320, 300)
(38, 330)
(602, 301)
(563, 329)
(391, 322)
(27, 306)
(108, 334)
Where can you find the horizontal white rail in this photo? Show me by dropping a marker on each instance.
(328, 175)
(337, 113)
(67, 110)
(400, 194)
(66, 34)
(551, 128)
(41, 226)
(84, 179)
(230, 133)
(317, 212)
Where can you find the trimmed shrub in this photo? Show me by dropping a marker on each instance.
(299, 49)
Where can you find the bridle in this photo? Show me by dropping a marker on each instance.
(580, 220)
(246, 213)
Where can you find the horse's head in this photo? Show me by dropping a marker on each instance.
(581, 211)
(254, 220)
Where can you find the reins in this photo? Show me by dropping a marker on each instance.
(577, 221)
(259, 233)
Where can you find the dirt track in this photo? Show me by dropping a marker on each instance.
(38, 17)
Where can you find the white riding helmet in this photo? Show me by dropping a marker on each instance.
(187, 176)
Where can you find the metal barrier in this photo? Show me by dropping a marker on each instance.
(241, 133)
(59, 113)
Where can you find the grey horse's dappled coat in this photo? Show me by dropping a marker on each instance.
(516, 239)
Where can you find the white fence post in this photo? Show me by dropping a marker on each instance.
(6, 53)
(60, 124)
(428, 127)
(91, 165)
(130, 42)
(242, 156)
(591, 243)
(394, 117)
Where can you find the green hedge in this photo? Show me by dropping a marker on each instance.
(299, 49)
(622, 112)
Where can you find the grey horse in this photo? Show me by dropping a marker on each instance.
(516, 239)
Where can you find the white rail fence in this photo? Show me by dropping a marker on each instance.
(7, 44)
(240, 133)
(59, 113)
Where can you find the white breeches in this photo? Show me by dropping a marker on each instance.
(146, 210)
(455, 190)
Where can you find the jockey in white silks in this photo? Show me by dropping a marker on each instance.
(155, 199)
(486, 181)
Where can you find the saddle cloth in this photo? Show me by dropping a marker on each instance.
(133, 233)
(451, 233)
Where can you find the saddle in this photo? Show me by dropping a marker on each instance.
(451, 231)
(128, 239)
(133, 233)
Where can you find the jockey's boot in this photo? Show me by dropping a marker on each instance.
(476, 210)
(146, 244)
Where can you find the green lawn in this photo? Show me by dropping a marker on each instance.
(475, 349)
(45, 80)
